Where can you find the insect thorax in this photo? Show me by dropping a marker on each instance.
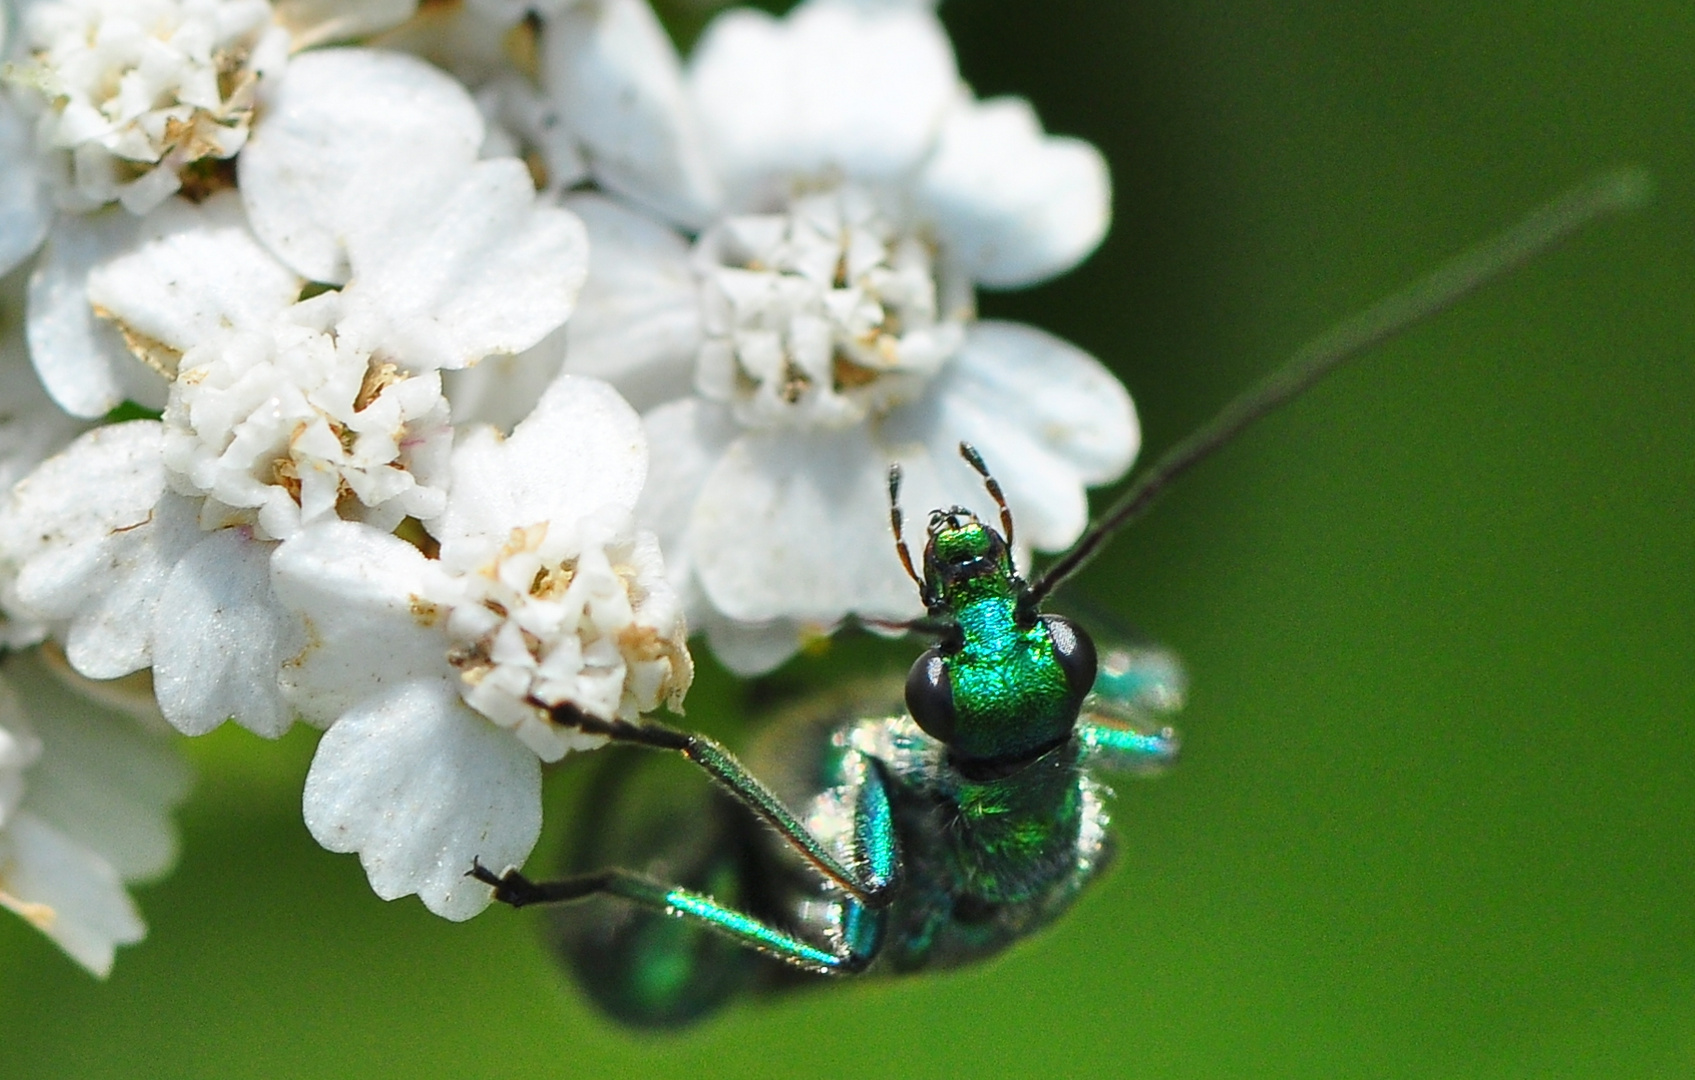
(985, 862)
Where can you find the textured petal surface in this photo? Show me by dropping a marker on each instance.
(613, 75)
(358, 591)
(71, 894)
(81, 359)
(1012, 204)
(102, 781)
(637, 323)
(796, 525)
(341, 125)
(450, 276)
(581, 449)
(420, 786)
(111, 632)
(192, 273)
(1047, 418)
(24, 209)
(220, 637)
(834, 87)
(685, 440)
(94, 535)
(1059, 394)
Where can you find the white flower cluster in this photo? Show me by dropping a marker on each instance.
(416, 371)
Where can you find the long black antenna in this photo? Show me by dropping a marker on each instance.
(1610, 193)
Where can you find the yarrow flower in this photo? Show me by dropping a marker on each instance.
(448, 681)
(134, 100)
(133, 92)
(85, 804)
(846, 194)
(379, 482)
(149, 543)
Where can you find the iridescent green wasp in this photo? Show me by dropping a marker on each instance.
(886, 839)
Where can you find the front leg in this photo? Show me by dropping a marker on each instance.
(871, 880)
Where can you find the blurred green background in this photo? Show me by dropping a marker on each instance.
(1435, 813)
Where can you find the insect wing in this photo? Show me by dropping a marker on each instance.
(1125, 722)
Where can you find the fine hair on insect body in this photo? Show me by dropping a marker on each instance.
(896, 832)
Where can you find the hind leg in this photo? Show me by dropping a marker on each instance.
(852, 955)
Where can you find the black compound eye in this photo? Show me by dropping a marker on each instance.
(1075, 651)
(929, 695)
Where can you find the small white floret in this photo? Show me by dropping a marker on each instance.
(134, 92)
(448, 680)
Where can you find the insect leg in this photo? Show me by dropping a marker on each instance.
(871, 882)
(862, 927)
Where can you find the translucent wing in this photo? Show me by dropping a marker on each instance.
(1124, 723)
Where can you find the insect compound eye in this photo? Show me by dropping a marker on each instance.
(1074, 649)
(929, 695)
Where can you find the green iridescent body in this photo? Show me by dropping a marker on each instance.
(1010, 692)
(899, 839)
(985, 862)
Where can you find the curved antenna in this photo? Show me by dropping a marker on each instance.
(975, 460)
(900, 536)
(1610, 193)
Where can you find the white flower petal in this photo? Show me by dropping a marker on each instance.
(220, 637)
(457, 275)
(111, 632)
(685, 440)
(193, 273)
(1047, 418)
(1065, 399)
(638, 322)
(368, 627)
(503, 389)
(614, 76)
(341, 126)
(69, 893)
(108, 481)
(93, 536)
(1012, 204)
(420, 786)
(795, 525)
(832, 88)
(582, 448)
(81, 359)
(19, 750)
(25, 211)
(32, 428)
(102, 781)
(750, 649)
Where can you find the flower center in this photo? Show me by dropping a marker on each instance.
(823, 315)
(283, 428)
(136, 92)
(557, 616)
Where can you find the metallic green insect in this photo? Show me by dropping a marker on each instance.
(889, 839)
